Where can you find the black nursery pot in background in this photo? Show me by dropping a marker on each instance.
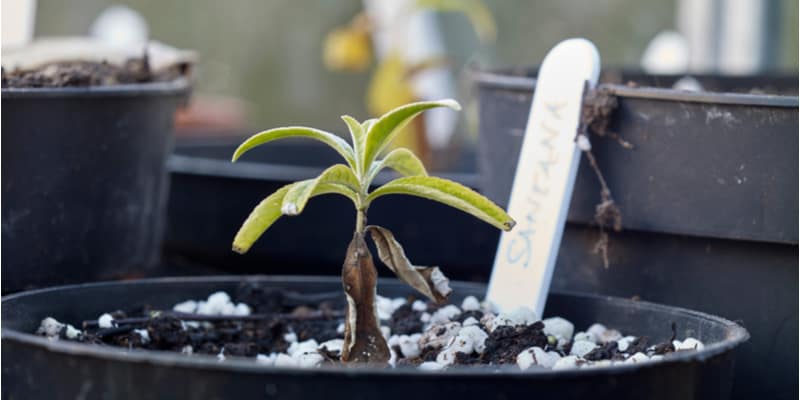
(709, 205)
(84, 181)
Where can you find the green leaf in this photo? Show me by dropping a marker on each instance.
(401, 160)
(358, 135)
(340, 145)
(429, 281)
(262, 217)
(269, 210)
(382, 132)
(448, 192)
(295, 200)
(367, 125)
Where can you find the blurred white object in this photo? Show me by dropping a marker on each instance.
(120, 26)
(729, 36)
(688, 84)
(695, 20)
(667, 53)
(401, 26)
(743, 36)
(46, 51)
(18, 17)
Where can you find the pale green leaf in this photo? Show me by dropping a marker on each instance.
(367, 125)
(296, 199)
(429, 281)
(401, 160)
(448, 192)
(382, 132)
(262, 217)
(269, 210)
(340, 145)
(358, 136)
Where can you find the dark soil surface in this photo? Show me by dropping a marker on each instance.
(282, 312)
(83, 73)
(405, 321)
(505, 342)
(276, 313)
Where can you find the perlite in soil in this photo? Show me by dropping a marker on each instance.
(419, 335)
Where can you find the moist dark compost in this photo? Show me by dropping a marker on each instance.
(282, 328)
(86, 73)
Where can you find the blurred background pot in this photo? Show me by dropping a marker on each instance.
(84, 182)
(709, 203)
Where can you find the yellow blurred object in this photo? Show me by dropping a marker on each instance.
(349, 48)
(475, 10)
(390, 88)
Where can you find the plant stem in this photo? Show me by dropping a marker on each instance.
(361, 221)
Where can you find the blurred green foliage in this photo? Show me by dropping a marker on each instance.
(269, 53)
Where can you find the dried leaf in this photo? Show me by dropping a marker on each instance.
(429, 281)
(363, 339)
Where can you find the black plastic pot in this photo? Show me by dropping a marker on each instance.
(709, 200)
(210, 197)
(84, 181)
(34, 367)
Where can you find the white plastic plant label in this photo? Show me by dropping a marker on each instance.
(543, 183)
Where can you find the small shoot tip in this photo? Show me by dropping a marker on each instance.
(452, 104)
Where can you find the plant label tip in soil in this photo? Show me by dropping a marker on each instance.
(546, 170)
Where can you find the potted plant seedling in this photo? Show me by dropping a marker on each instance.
(279, 320)
(363, 341)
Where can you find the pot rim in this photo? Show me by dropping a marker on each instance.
(736, 335)
(506, 81)
(179, 86)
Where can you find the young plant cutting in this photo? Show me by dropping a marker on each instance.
(283, 328)
(363, 340)
(530, 311)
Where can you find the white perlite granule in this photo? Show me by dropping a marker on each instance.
(558, 327)
(332, 345)
(690, 344)
(143, 334)
(419, 305)
(470, 303)
(431, 366)
(582, 348)
(105, 321)
(444, 314)
(50, 327)
(537, 356)
(72, 333)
